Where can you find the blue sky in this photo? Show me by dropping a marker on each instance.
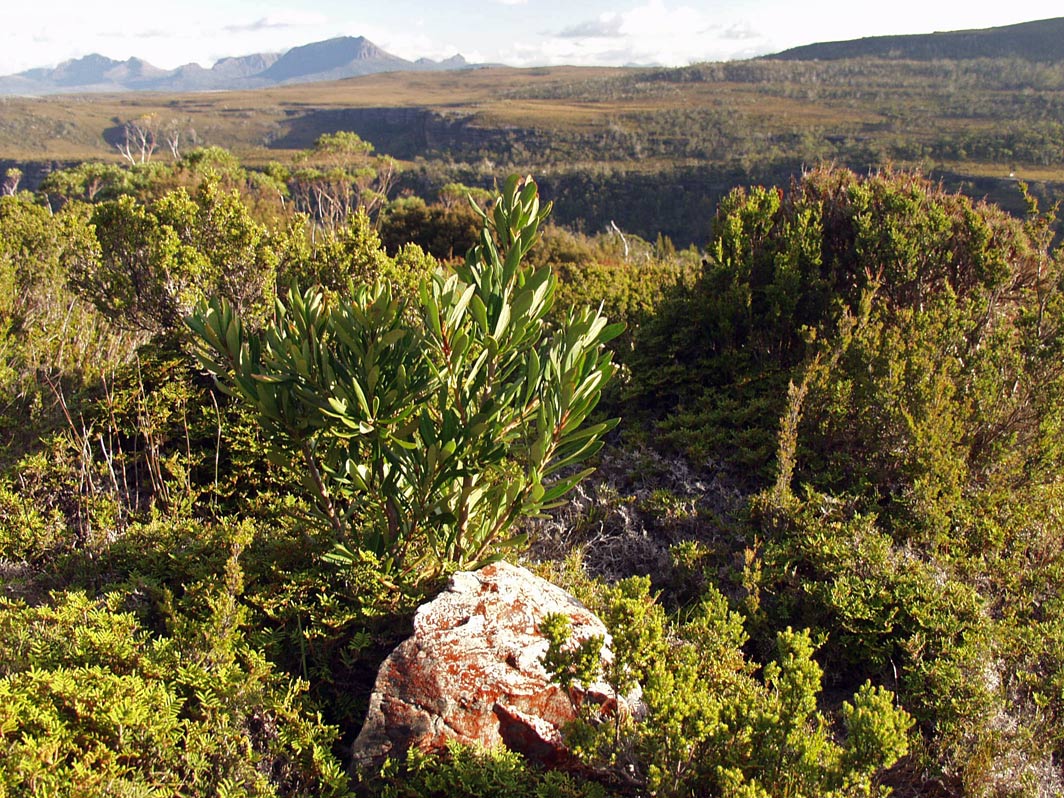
(515, 32)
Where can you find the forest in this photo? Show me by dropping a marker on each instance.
(807, 471)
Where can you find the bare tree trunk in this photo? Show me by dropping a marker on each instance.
(12, 178)
(173, 141)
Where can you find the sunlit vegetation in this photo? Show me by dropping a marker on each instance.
(254, 412)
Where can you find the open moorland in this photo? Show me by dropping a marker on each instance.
(655, 149)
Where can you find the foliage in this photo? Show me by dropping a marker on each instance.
(446, 231)
(627, 275)
(881, 358)
(947, 276)
(863, 373)
(942, 625)
(93, 704)
(424, 443)
(463, 772)
(88, 181)
(51, 342)
(710, 725)
(155, 262)
(922, 400)
(352, 253)
(339, 175)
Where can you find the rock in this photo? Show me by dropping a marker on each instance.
(471, 672)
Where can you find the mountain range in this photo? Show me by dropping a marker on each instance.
(347, 56)
(333, 59)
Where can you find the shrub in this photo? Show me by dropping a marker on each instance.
(351, 253)
(90, 704)
(424, 442)
(51, 341)
(711, 726)
(444, 231)
(154, 262)
(944, 378)
(463, 772)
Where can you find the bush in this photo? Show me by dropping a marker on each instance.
(90, 704)
(51, 341)
(425, 442)
(154, 262)
(879, 361)
(951, 363)
(711, 726)
(464, 772)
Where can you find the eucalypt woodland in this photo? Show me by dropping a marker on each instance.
(426, 425)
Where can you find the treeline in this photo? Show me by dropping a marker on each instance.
(913, 99)
(239, 449)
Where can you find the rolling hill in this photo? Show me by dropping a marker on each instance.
(1042, 40)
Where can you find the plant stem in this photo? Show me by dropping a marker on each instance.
(323, 494)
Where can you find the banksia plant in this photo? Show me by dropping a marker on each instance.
(424, 433)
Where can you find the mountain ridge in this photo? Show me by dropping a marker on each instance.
(343, 56)
(332, 59)
(1038, 40)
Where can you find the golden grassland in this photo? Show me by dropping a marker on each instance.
(73, 126)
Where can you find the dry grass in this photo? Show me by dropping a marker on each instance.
(72, 127)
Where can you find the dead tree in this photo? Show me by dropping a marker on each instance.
(140, 140)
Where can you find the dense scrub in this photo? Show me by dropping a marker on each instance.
(835, 480)
(879, 362)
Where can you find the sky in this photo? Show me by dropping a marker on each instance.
(514, 32)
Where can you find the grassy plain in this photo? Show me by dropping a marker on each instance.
(904, 111)
(76, 127)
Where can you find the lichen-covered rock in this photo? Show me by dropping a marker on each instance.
(471, 671)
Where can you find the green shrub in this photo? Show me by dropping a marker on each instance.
(711, 726)
(91, 704)
(444, 231)
(943, 380)
(154, 262)
(464, 772)
(423, 443)
(967, 647)
(51, 342)
(334, 258)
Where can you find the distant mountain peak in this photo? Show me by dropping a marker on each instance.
(456, 61)
(344, 54)
(96, 69)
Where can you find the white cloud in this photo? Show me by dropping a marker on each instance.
(740, 31)
(280, 19)
(653, 32)
(607, 26)
(152, 33)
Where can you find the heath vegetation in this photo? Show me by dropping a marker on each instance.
(251, 417)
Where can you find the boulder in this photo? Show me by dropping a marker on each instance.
(472, 672)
